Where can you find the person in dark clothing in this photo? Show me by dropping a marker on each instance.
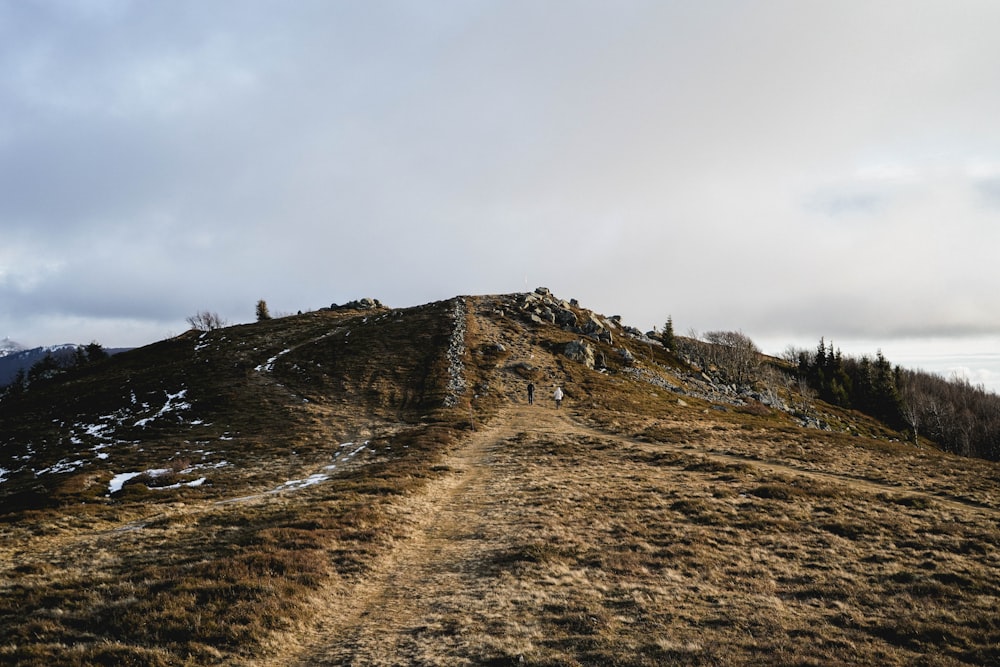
(531, 393)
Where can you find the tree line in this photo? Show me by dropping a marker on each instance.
(960, 417)
(54, 364)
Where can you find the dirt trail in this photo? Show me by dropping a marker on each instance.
(459, 519)
(398, 613)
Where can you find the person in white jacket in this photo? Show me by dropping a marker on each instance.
(558, 396)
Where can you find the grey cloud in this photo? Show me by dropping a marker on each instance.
(704, 161)
(990, 190)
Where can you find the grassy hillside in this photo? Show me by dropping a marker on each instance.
(370, 488)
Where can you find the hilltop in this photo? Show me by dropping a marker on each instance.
(365, 485)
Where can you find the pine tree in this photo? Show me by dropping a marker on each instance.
(667, 338)
(95, 352)
(262, 312)
(886, 394)
(821, 354)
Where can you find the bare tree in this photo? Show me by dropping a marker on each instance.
(735, 354)
(206, 321)
(914, 405)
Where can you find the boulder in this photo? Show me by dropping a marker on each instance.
(580, 351)
(564, 317)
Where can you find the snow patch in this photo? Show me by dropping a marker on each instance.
(169, 406)
(62, 467)
(268, 366)
(118, 481)
(341, 456)
(205, 466)
(192, 484)
(296, 484)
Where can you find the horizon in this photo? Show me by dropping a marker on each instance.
(949, 358)
(792, 171)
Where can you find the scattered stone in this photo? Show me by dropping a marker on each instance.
(456, 350)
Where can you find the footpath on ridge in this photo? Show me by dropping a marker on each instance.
(461, 520)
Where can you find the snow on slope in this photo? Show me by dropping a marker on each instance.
(8, 346)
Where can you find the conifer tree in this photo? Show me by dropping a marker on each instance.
(95, 352)
(821, 353)
(262, 311)
(667, 338)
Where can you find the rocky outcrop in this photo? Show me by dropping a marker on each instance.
(541, 307)
(360, 304)
(697, 380)
(580, 351)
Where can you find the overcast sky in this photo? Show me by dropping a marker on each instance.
(792, 169)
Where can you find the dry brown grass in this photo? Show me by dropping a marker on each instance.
(594, 550)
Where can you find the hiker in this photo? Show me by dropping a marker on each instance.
(558, 395)
(531, 393)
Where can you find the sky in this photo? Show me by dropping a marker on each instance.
(790, 169)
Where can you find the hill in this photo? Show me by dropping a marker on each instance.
(368, 486)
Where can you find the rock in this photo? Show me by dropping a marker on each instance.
(626, 355)
(581, 351)
(565, 317)
(544, 291)
(595, 328)
(361, 304)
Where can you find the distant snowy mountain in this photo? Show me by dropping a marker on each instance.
(8, 346)
(22, 359)
(15, 357)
